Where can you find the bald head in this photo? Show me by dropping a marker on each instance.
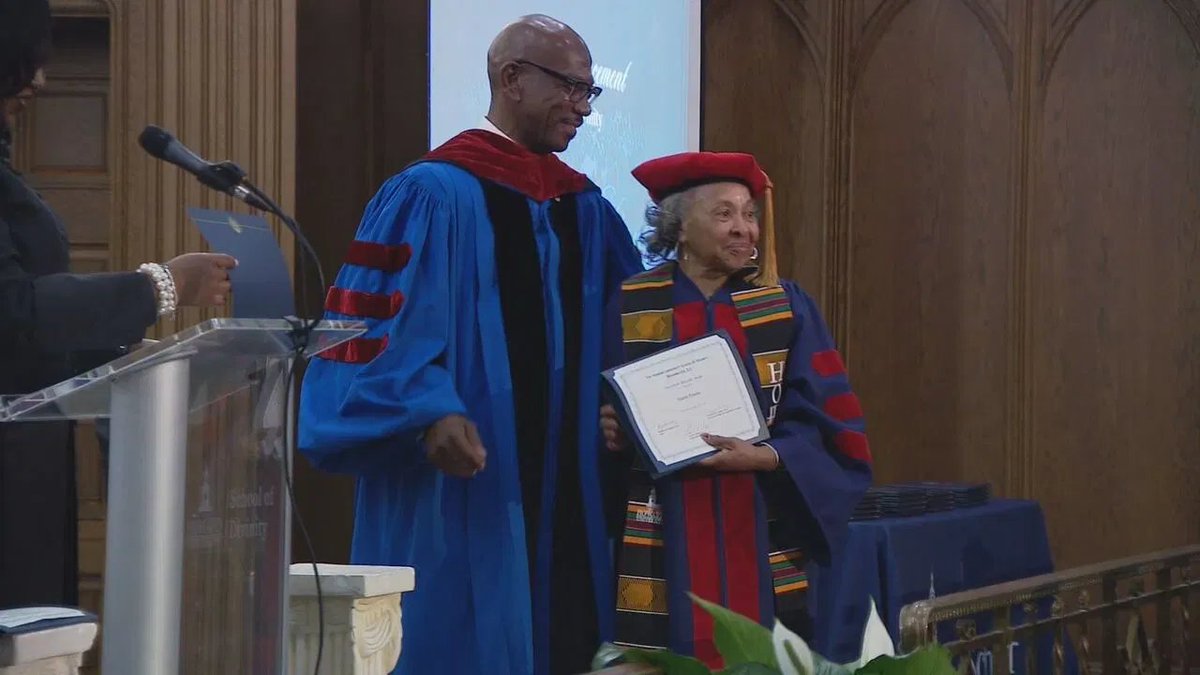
(540, 75)
(538, 38)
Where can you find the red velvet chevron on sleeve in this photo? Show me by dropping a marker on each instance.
(357, 351)
(362, 304)
(382, 257)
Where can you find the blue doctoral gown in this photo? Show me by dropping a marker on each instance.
(422, 272)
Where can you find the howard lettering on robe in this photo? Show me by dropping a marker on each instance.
(483, 272)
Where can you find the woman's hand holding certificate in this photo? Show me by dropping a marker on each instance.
(738, 455)
(675, 397)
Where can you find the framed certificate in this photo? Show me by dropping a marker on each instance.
(669, 399)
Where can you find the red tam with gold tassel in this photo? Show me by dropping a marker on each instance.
(665, 176)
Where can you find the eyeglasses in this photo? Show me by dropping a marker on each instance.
(577, 90)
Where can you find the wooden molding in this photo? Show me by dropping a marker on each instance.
(839, 187)
(1063, 22)
(1188, 12)
(877, 23)
(1019, 464)
(81, 8)
(801, 19)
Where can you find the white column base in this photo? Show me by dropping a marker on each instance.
(54, 651)
(362, 618)
(58, 665)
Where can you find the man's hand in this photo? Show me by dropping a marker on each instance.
(614, 439)
(453, 445)
(738, 455)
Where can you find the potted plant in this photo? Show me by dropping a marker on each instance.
(751, 649)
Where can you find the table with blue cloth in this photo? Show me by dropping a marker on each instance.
(898, 561)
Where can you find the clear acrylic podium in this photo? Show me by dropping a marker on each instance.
(198, 524)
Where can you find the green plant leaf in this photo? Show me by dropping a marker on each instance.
(930, 660)
(826, 667)
(739, 640)
(750, 669)
(669, 662)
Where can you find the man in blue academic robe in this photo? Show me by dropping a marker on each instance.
(469, 410)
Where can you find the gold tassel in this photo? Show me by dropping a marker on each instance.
(768, 269)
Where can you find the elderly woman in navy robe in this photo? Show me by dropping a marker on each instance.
(739, 527)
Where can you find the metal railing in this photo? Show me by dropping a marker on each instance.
(1130, 616)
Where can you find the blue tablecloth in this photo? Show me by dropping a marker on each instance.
(901, 560)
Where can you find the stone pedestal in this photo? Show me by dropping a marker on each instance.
(54, 651)
(362, 618)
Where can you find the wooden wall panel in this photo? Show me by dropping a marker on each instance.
(1008, 236)
(361, 116)
(220, 75)
(1116, 313)
(778, 115)
(930, 225)
(332, 176)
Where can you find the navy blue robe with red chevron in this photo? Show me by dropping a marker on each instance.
(732, 538)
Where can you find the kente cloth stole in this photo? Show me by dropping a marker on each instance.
(647, 323)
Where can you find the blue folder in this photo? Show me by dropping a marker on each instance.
(262, 287)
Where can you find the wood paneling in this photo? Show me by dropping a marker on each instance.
(1008, 236)
(930, 222)
(734, 108)
(1115, 203)
(362, 116)
(70, 132)
(220, 75)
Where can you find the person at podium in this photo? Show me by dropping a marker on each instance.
(469, 410)
(54, 324)
(738, 527)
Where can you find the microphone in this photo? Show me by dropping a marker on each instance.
(224, 177)
(229, 178)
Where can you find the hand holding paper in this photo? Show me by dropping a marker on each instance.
(615, 439)
(262, 287)
(673, 398)
(738, 455)
(202, 279)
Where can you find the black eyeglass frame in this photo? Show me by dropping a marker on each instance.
(579, 90)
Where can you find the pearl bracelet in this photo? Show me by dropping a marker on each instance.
(164, 287)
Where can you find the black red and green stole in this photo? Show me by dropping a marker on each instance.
(703, 532)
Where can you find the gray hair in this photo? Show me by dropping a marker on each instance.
(664, 221)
